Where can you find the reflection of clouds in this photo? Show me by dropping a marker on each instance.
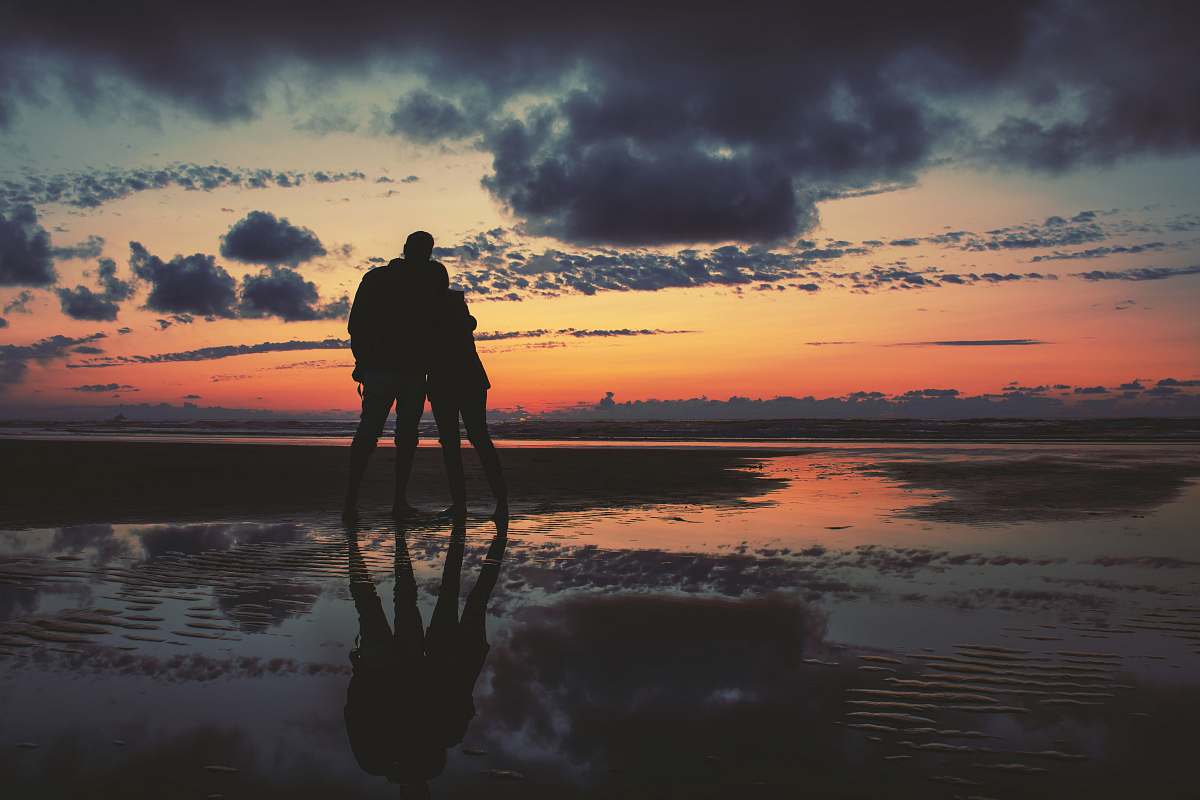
(1043, 487)
(77, 538)
(17, 601)
(556, 568)
(190, 667)
(198, 538)
(582, 677)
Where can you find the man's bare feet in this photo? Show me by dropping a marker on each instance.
(405, 511)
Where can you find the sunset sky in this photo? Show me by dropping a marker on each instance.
(666, 204)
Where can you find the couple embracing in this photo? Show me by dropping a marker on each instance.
(412, 337)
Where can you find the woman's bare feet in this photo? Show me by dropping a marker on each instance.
(453, 512)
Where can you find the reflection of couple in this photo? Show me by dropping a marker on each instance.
(411, 336)
(410, 696)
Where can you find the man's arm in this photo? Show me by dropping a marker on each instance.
(360, 313)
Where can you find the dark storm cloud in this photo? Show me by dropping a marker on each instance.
(193, 284)
(1102, 252)
(94, 187)
(717, 125)
(83, 303)
(15, 358)
(283, 293)
(1138, 273)
(262, 238)
(25, 255)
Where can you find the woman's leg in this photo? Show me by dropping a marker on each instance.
(376, 402)
(474, 415)
(445, 413)
(444, 621)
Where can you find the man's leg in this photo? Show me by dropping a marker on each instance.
(445, 413)
(474, 415)
(373, 630)
(410, 405)
(410, 630)
(376, 402)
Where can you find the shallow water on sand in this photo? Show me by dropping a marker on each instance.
(933, 622)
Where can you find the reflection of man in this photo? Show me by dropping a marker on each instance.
(410, 695)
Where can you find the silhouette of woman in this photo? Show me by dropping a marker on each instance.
(410, 694)
(458, 386)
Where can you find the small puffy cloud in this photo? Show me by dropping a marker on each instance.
(262, 238)
(283, 293)
(3, 322)
(98, 388)
(83, 303)
(91, 247)
(193, 284)
(424, 117)
(25, 254)
(19, 304)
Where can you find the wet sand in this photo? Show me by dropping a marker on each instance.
(62, 482)
(909, 622)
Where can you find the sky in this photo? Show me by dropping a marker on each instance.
(865, 210)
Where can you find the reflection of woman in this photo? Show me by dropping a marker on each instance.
(410, 695)
(458, 386)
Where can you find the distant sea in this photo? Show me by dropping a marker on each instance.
(714, 432)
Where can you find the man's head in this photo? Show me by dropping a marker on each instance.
(418, 246)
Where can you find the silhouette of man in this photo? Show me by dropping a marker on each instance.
(410, 694)
(390, 327)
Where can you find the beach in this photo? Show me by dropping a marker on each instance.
(56, 482)
(845, 620)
